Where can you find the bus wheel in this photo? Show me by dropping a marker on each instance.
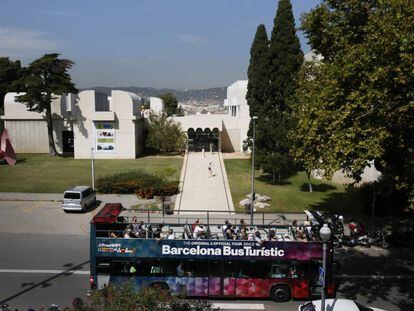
(280, 293)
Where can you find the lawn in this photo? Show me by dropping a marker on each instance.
(293, 195)
(42, 173)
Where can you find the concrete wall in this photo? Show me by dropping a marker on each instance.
(124, 119)
(28, 129)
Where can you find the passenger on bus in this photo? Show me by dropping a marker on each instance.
(243, 234)
(197, 222)
(258, 238)
(272, 235)
(128, 233)
(157, 233)
(242, 225)
(226, 226)
(300, 236)
(112, 234)
(180, 270)
(229, 235)
(170, 235)
(198, 232)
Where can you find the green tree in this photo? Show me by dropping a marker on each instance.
(45, 78)
(362, 95)
(164, 135)
(285, 60)
(258, 81)
(10, 72)
(171, 104)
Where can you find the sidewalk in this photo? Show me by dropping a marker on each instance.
(127, 200)
(202, 192)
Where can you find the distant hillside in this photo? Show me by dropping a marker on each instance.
(216, 94)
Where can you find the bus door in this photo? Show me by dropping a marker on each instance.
(221, 279)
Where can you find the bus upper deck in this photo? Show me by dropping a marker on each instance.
(113, 221)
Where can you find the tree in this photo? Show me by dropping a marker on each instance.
(285, 59)
(171, 104)
(258, 81)
(362, 95)
(164, 135)
(45, 78)
(10, 72)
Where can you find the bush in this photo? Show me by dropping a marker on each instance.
(144, 185)
(129, 182)
(125, 297)
(167, 189)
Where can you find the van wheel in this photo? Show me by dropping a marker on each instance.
(280, 293)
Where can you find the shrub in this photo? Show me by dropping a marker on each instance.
(168, 189)
(129, 182)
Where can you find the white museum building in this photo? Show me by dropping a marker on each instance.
(114, 125)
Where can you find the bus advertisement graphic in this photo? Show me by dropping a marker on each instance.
(207, 249)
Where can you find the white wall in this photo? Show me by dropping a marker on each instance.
(157, 104)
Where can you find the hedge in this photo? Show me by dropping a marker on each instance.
(143, 184)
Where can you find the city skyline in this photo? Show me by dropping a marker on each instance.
(180, 44)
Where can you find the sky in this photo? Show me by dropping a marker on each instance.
(183, 44)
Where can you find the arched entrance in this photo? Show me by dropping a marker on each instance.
(203, 139)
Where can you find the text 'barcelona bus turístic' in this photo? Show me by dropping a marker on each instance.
(207, 258)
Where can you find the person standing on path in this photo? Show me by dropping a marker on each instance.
(210, 169)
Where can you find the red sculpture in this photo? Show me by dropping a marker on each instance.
(6, 149)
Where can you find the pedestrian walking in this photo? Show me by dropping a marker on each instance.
(210, 169)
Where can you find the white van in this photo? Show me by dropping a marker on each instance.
(78, 198)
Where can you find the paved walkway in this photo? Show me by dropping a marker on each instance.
(200, 191)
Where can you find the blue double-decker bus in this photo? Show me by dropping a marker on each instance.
(275, 266)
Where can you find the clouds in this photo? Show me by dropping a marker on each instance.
(20, 42)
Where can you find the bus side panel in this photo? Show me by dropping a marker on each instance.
(197, 286)
(300, 288)
(214, 286)
(229, 286)
(252, 287)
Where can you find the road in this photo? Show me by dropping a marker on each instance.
(45, 259)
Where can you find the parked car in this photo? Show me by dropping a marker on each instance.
(336, 305)
(78, 198)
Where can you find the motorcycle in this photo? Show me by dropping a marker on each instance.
(357, 235)
(378, 238)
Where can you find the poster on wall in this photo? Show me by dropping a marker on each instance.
(104, 137)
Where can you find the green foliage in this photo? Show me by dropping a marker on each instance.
(258, 87)
(42, 80)
(273, 72)
(164, 135)
(10, 72)
(171, 104)
(125, 297)
(357, 105)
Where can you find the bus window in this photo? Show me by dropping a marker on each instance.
(215, 268)
(251, 269)
(228, 269)
(279, 271)
(196, 268)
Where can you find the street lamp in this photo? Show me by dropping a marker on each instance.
(252, 194)
(325, 234)
(93, 168)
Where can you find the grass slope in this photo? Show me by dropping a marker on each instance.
(293, 195)
(42, 173)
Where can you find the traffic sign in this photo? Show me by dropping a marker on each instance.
(322, 276)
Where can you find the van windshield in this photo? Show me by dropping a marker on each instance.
(72, 195)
